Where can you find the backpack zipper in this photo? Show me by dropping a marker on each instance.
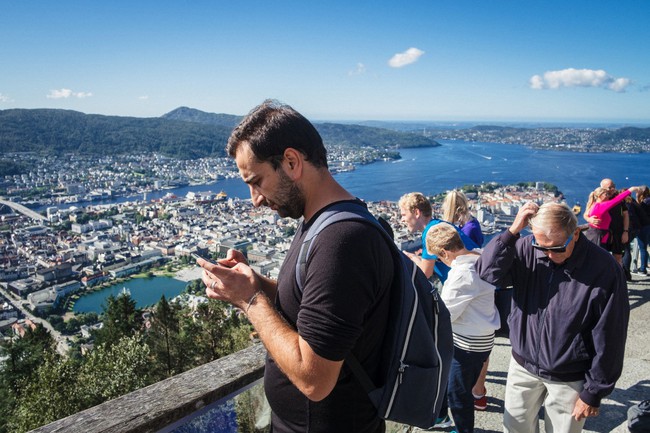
(403, 366)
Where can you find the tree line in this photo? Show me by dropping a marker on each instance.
(131, 350)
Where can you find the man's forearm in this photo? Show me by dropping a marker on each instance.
(313, 375)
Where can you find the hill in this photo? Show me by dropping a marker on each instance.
(197, 116)
(182, 133)
(64, 131)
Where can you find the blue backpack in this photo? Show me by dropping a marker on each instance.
(417, 348)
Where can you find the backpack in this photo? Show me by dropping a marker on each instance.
(418, 346)
(638, 417)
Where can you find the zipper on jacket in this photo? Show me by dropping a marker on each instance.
(542, 319)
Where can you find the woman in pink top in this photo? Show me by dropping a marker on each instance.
(600, 209)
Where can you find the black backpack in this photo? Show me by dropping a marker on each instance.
(417, 348)
(638, 417)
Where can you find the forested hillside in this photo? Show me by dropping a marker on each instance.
(183, 133)
(63, 131)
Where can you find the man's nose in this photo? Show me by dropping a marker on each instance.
(256, 197)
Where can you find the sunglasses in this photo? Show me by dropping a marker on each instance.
(557, 249)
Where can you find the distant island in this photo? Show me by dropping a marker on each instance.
(627, 139)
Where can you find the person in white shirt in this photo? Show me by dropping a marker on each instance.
(474, 318)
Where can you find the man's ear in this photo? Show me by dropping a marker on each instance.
(293, 163)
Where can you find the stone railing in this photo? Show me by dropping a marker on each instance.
(165, 403)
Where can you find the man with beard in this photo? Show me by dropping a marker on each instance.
(343, 306)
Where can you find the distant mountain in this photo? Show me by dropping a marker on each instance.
(182, 133)
(193, 115)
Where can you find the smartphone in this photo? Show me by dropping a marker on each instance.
(204, 257)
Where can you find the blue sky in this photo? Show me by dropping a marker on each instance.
(336, 60)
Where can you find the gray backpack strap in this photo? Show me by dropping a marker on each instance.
(344, 211)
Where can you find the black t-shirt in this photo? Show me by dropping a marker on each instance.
(343, 308)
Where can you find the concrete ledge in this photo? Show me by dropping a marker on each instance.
(155, 407)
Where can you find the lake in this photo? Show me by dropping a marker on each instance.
(145, 291)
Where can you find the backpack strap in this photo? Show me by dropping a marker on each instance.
(342, 211)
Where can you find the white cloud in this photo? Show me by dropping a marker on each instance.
(82, 95)
(578, 78)
(4, 98)
(143, 97)
(406, 58)
(360, 69)
(66, 93)
(60, 94)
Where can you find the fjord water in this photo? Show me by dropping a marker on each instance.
(457, 163)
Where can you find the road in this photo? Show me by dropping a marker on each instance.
(62, 345)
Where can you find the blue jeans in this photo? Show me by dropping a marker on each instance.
(465, 370)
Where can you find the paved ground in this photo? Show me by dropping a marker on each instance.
(632, 387)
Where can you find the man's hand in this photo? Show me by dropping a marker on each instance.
(582, 410)
(524, 215)
(232, 258)
(235, 284)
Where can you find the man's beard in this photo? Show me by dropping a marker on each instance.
(290, 202)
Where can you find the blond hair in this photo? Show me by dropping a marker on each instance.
(455, 208)
(416, 200)
(553, 216)
(443, 236)
(642, 194)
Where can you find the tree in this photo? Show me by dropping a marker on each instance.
(112, 371)
(163, 338)
(195, 287)
(64, 386)
(50, 395)
(120, 319)
(25, 355)
(23, 358)
(220, 331)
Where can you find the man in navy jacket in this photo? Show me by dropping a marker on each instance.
(569, 318)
